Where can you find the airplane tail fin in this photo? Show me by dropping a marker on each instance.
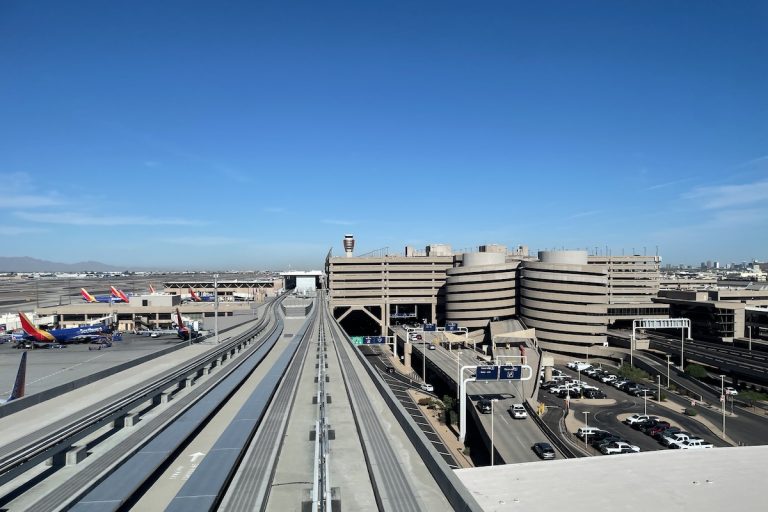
(21, 379)
(119, 294)
(152, 289)
(87, 296)
(31, 330)
(183, 329)
(195, 297)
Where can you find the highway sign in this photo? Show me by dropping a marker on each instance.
(510, 372)
(487, 373)
(374, 340)
(356, 340)
(430, 327)
(451, 326)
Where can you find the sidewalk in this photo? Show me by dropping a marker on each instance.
(447, 435)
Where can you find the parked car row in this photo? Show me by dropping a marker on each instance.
(625, 385)
(664, 433)
(564, 385)
(606, 442)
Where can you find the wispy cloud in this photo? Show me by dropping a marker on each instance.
(81, 219)
(339, 222)
(667, 184)
(726, 196)
(17, 230)
(205, 241)
(584, 214)
(20, 202)
(754, 161)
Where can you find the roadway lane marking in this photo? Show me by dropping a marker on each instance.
(66, 369)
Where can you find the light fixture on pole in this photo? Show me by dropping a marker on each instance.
(585, 429)
(722, 400)
(493, 401)
(682, 350)
(645, 402)
(669, 362)
(216, 306)
(458, 374)
(658, 397)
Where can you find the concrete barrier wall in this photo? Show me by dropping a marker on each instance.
(30, 400)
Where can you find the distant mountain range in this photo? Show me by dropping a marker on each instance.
(27, 264)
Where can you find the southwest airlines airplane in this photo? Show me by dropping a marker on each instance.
(41, 337)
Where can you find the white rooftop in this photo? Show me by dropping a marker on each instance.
(670, 480)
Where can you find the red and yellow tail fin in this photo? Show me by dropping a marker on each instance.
(87, 296)
(119, 294)
(152, 289)
(31, 330)
(195, 297)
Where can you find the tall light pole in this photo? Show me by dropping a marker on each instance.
(631, 349)
(722, 400)
(750, 337)
(458, 374)
(216, 306)
(493, 401)
(669, 362)
(586, 413)
(682, 349)
(424, 359)
(645, 402)
(658, 379)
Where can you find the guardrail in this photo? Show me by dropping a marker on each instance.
(82, 424)
(455, 492)
(553, 437)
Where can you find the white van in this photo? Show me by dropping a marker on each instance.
(586, 431)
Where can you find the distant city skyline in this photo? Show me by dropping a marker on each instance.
(254, 135)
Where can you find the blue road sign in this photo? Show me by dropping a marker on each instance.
(487, 373)
(451, 326)
(430, 327)
(510, 372)
(373, 340)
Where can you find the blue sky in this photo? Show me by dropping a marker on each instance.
(255, 134)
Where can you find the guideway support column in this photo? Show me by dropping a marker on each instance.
(69, 457)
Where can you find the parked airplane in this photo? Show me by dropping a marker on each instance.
(41, 337)
(183, 331)
(119, 294)
(199, 298)
(20, 383)
(87, 297)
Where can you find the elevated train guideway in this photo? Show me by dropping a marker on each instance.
(286, 418)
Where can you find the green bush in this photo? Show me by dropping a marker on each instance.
(751, 396)
(696, 371)
(632, 373)
(690, 412)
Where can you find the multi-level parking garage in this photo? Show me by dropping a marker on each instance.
(482, 289)
(566, 300)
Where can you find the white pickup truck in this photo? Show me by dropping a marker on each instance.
(695, 444)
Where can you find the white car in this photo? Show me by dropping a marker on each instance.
(675, 440)
(731, 391)
(637, 418)
(695, 444)
(518, 411)
(427, 387)
(608, 378)
(619, 447)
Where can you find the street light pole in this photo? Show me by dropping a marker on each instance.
(750, 337)
(216, 306)
(669, 362)
(722, 400)
(493, 401)
(631, 349)
(658, 379)
(458, 374)
(645, 402)
(585, 429)
(682, 349)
